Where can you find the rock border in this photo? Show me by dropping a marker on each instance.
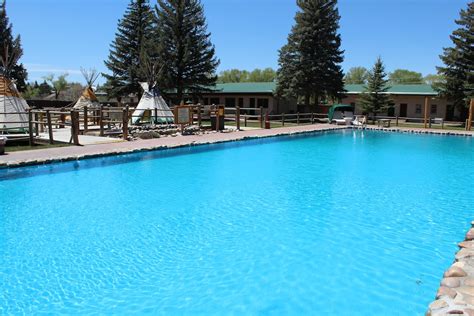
(404, 130)
(456, 292)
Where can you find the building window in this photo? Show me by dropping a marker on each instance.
(434, 109)
(418, 109)
(230, 102)
(252, 102)
(262, 103)
(241, 102)
(205, 101)
(215, 101)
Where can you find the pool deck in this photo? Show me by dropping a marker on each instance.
(51, 155)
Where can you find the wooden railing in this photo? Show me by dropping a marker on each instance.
(109, 121)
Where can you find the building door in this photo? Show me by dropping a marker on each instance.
(403, 110)
(391, 111)
(449, 112)
(230, 102)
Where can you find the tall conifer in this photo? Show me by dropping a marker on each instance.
(185, 49)
(375, 99)
(459, 63)
(131, 39)
(18, 71)
(310, 63)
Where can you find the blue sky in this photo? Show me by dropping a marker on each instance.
(61, 36)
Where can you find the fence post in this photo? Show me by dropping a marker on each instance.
(63, 119)
(312, 118)
(396, 121)
(50, 127)
(30, 127)
(283, 119)
(36, 123)
(156, 116)
(237, 117)
(199, 115)
(217, 120)
(245, 120)
(430, 121)
(101, 120)
(125, 123)
(86, 120)
(298, 118)
(74, 127)
(41, 116)
(261, 117)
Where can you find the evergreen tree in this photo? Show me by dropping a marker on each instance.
(18, 71)
(185, 49)
(310, 63)
(374, 99)
(131, 39)
(459, 63)
(45, 89)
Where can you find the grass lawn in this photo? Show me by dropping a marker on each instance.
(433, 126)
(273, 124)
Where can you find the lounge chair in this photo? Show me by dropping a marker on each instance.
(360, 120)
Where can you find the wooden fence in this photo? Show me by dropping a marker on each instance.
(116, 121)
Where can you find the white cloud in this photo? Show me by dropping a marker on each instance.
(32, 68)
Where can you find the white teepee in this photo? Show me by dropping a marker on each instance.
(152, 104)
(13, 107)
(88, 97)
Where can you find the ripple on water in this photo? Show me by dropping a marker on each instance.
(334, 224)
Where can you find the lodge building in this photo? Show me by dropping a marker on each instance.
(408, 100)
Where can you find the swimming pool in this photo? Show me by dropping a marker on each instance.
(347, 222)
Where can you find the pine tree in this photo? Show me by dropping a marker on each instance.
(374, 99)
(45, 89)
(18, 71)
(131, 39)
(310, 63)
(185, 49)
(459, 63)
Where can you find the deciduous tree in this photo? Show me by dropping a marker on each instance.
(356, 75)
(404, 76)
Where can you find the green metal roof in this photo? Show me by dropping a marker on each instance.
(404, 89)
(246, 87)
(269, 87)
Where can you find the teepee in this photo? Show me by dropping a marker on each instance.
(88, 97)
(152, 106)
(13, 107)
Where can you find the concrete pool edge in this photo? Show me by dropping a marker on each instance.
(64, 154)
(456, 292)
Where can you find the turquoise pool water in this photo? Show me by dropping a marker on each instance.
(338, 223)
